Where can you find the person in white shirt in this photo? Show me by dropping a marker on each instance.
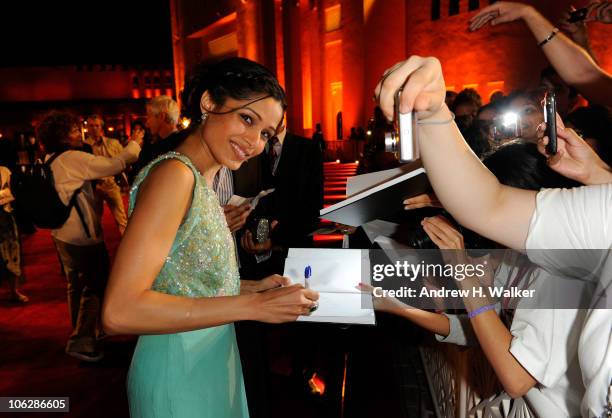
(80, 243)
(579, 218)
(541, 357)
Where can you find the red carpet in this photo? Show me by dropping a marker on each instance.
(33, 337)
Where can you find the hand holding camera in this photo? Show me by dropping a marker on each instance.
(258, 241)
(423, 92)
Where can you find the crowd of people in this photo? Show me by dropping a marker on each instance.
(193, 260)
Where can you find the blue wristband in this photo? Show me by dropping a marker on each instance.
(480, 310)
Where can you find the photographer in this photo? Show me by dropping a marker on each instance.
(553, 218)
(572, 62)
(79, 241)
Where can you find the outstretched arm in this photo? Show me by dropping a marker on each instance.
(464, 186)
(575, 66)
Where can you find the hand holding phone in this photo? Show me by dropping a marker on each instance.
(579, 15)
(550, 117)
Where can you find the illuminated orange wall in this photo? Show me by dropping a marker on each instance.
(506, 53)
(326, 71)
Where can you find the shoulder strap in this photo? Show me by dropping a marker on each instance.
(73, 203)
(73, 200)
(54, 156)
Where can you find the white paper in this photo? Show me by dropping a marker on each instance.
(377, 228)
(236, 200)
(335, 275)
(396, 251)
(370, 191)
(362, 182)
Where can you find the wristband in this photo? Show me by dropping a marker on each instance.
(480, 310)
(549, 37)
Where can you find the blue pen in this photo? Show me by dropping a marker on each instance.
(307, 275)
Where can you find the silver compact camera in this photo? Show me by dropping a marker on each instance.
(402, 140)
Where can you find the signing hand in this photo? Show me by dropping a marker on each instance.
(424, 92)
(284, 304)
(272, 282)
(252, 247)
(236, 216)
(575, 159)
(500, 12)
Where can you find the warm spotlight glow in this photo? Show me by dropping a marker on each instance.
(356, 161)
(317, 385)
(337, 161)
(84, 122)
(369, 133)
(185, 123)
(85, 130)
(111, 129)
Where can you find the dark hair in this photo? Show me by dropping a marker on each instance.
(469, 96)
(139, 123)
(54, 129)
(519, 164)
(595, 121)
(535, 96)
(238, 78)
(476, 138)
(489, 106)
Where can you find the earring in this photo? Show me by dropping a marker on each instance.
(204, 117)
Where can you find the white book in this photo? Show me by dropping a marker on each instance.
(236, 200)
(335, 275)
(376, 195)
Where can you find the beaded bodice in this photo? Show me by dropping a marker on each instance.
(201, 262)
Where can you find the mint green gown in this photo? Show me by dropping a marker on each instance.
(196, 373)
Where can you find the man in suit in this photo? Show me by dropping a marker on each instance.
(107, 188)
(162, 120)
(293, 166)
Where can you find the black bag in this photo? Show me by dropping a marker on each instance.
(37, 198)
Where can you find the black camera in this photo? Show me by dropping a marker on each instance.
(578, 15)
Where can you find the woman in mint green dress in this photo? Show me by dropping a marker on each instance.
(175, 279)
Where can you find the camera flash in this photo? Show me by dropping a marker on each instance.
(509, 119)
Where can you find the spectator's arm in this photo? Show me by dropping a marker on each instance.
(98, 167)
(572, 63)
(578, 32)
(464, 186)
